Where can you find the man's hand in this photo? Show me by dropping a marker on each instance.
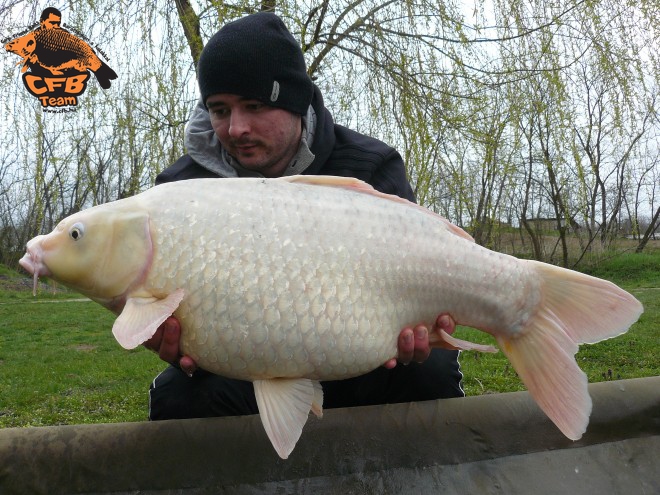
(413, 343)
(165, 342)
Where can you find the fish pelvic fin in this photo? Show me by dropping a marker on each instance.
(284, 405)
(142, 316)
(575, 308)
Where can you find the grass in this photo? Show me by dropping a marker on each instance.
(59, 363)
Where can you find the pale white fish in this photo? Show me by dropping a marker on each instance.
(285, 282)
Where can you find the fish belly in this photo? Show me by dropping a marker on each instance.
(287, 280)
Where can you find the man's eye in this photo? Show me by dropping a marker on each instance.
(219, 112)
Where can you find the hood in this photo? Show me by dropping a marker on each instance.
(204, 147)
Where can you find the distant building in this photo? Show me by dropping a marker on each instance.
(542, 223)
(549, 223)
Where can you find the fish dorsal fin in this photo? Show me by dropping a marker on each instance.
(284, 405)
(142, 316)
(360, 186)
(332, 181)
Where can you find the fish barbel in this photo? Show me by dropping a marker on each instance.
(285, 282)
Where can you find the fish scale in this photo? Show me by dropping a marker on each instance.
(62, 46)
(285, 282)
(59, 39)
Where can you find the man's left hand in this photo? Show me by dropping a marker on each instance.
(413, 343)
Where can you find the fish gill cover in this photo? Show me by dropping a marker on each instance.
(56, 63)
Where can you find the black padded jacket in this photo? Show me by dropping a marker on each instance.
(337, 151)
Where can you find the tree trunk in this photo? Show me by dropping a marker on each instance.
(653, 225)
(190, 23)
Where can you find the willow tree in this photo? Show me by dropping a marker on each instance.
(115, 141)
(589, 85)
(449, 84)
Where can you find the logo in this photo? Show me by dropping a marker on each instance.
(56, 63)
(276, 91)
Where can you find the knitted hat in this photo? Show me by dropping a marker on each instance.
(256, 57)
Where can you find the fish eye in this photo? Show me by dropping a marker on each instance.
(77, 231)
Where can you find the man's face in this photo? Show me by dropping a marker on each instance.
(262, 138)
(52, 22)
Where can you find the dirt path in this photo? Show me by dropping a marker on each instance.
(45, 301)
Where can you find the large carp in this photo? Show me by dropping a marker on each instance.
(285, 282)
(59, 51)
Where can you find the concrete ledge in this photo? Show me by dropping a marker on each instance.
(488, 444)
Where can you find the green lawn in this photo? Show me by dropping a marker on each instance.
(59, 363)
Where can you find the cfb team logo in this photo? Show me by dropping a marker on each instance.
(56, 63)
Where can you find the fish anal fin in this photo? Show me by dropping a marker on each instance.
(443, 340)
(362, 187)
(142, 316)
(284, 405)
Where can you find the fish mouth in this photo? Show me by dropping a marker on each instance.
(32, 262)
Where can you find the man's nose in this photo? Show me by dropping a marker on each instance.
(239, 124)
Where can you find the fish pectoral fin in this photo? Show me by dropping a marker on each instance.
(284, 405)
(443, 340)
(142, 316)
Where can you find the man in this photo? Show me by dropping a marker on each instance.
(51, 18)
(260, 115)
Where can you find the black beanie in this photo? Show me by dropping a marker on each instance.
(256, 57)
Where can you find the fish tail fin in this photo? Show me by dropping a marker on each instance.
(104, 75)
(574, 309)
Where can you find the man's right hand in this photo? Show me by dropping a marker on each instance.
(165, 343)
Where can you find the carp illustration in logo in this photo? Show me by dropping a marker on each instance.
(49, 51)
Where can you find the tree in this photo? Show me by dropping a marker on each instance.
(489, 105)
